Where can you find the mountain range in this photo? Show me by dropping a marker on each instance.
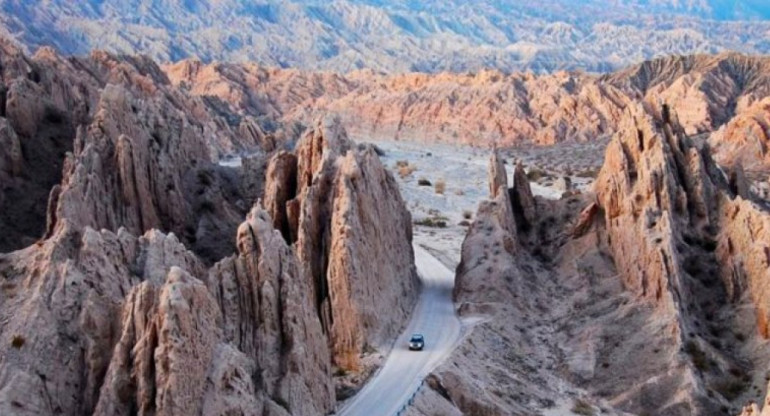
(394, 36)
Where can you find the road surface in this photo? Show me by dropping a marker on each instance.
(403, 371)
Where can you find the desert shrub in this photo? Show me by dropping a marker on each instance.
(440, 187)
(434, 222)
(467, 214)
(204, 178)
(423, 182)
(535, 174)
(588, 173)
(405, 168)
(582, 407)
(699, 359)
(17, 341)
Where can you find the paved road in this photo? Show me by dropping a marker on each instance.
(434, 316)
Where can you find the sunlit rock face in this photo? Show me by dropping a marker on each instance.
(353, 234)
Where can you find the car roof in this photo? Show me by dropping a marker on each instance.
(417, 336)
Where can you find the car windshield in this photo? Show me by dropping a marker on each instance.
(416, 338)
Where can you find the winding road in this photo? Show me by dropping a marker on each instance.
(401, 375)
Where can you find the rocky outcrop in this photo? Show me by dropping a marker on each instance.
(353, 236)
(484, 109)
(104, 322)
(241, 337)
(492, 242)
(497, 177)
(663, 264)
(744, 139)
(262, 293)
(705, 91)
(126, 144)
(683, 236)
(490, 108)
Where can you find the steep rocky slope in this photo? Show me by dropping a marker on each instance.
(395, 35)
(644, 297)
(480, 109)
(109, 123)
(488, 107)
(744, 140)
(705, 91)
(106, 311)
(353, 234)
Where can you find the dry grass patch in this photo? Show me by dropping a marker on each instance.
(582, 407)
(405, 168)
(440, 186)
(535, 174)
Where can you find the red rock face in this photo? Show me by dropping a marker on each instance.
(489, 108)
(683, 236)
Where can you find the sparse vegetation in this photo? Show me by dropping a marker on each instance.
(535, 174)
(699, 359)
(588, 173)
(405, 168)
(731, 389)
(340, 372)
(467, 214)
(17, 341)
(368, 349)
(440, 187)
(204, 178)
(434, 222)
(582, 407)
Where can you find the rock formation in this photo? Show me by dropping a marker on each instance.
(399, 36)
(107, 122)
(489, 107)
(105, 322)
(352, 232)
(744, 139)
(481, 109)
(662, 265)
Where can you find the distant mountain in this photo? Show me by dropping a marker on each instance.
(395, 35)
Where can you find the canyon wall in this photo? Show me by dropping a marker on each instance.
(145, 291)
